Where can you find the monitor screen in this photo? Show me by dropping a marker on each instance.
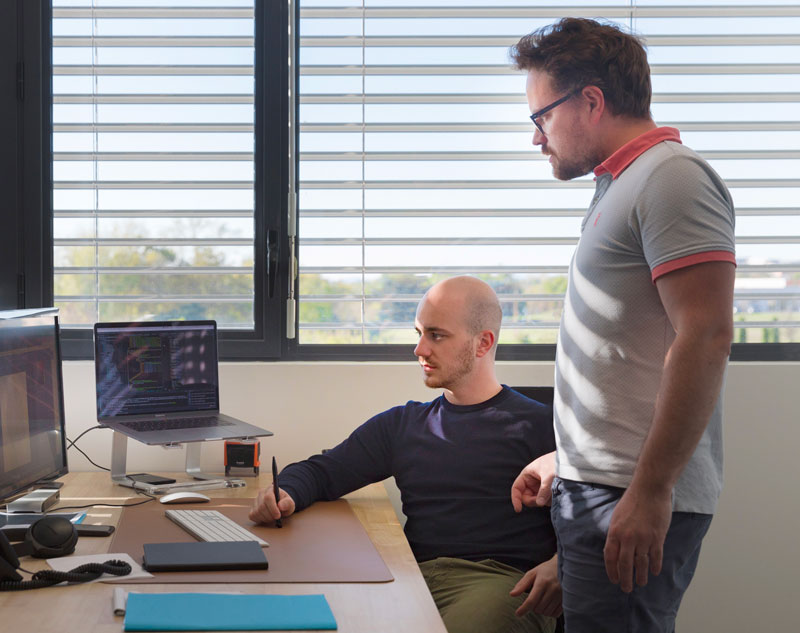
(155, 367)
(32, 438)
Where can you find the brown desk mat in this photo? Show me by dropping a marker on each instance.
(323, 543)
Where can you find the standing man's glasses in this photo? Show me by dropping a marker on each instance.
(536, 115)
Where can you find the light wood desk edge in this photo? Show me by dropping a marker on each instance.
(403, 605)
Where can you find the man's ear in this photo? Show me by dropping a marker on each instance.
(486, 342)
(596, 100)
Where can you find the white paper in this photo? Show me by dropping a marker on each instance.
(66, 563)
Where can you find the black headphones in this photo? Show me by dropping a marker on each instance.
(49, 537)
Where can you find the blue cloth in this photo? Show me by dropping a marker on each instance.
(226, 612)
(454, 466)
(592, 603)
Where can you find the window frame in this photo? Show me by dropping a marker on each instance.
(740, 352)
(32, 244)
(747, 352)
(26, 277)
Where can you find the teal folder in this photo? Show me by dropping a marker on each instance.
(226, 612)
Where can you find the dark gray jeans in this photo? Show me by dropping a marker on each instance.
(581, 514)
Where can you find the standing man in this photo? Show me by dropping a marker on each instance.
(450, 458)
(644, 339)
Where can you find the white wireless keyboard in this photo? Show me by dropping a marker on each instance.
(210, 525)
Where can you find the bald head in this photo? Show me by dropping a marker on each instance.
(458, 322)
(471, 299)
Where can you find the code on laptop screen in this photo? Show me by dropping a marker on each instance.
(155, 368)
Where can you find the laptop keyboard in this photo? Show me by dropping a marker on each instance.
(211, 525)
(167, 424)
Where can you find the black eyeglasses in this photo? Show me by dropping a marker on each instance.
(546, 109)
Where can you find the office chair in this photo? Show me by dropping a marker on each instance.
(545, 396)
(542, 394)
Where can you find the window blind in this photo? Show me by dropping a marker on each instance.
(153, 137)
(415, 157)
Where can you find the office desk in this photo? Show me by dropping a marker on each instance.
(403, 605)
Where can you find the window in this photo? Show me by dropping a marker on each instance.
(160, 195)
(416, 161)
(173, 133)
(153, 140)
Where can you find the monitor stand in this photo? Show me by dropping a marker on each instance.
(119, 459)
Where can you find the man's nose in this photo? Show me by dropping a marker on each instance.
(420, 349)
(538, 137)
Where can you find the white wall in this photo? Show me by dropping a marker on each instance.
(747, 577)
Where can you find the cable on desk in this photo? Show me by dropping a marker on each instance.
(82, 573)
(73, 444)
(111, 505)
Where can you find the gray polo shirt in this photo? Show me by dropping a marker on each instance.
(658, 207)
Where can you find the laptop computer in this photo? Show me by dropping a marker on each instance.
(158, 382)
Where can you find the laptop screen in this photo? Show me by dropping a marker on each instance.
(156, 368)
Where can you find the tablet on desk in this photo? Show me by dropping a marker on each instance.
(204, 556)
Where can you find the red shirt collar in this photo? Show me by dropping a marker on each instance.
(625, 155)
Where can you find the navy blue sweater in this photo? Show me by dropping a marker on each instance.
(454, 466)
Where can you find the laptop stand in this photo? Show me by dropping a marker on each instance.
(201, 481)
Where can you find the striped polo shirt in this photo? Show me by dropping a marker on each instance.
(658, 207)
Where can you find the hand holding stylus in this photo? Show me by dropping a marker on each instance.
(265, 507)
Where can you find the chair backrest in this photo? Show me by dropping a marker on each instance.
(545, 396)
(542, 394)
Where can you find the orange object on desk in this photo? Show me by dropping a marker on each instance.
(242, 454)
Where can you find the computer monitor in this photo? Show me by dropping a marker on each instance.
(32, 438)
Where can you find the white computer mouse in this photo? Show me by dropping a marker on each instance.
(184, 497)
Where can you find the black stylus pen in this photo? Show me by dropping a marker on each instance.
(278, 522)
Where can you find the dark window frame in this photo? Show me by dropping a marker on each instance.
(740, 352)
(27, 258)
(27, 277)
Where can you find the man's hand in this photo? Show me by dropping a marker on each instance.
(532, 485)
(545, 591)
(265, 510)
(636, 536)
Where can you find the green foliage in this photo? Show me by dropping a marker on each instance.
(770, 334)
(742, 335)
(333, 309)
(164, 289)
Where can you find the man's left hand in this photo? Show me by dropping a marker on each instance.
(636, 536)
(544, 595)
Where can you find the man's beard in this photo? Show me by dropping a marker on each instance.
(578, 160)
(569, 168)
(462, 366)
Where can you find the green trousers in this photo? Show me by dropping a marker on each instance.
(473, 597)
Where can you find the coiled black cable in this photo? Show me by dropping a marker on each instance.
(83, 573)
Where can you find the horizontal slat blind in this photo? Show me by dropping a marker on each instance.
(153, 137)
(416, 160)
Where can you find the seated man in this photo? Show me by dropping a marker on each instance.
(454, 460)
